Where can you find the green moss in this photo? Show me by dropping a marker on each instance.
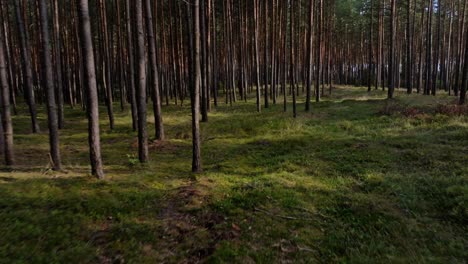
(343, 183)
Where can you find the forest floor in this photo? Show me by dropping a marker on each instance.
(359, 179)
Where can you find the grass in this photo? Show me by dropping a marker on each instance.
(347, 182)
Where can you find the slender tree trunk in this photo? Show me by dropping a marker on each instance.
(196, 162)
(464, 85)
(203, 65)
(141, 87)
(319, 51)
(256, 51)
(427, 87)
(265, 66)
(49, 87)
(391, 64)
(292, 59)
(7, 126)
(90, 84)
(131, 66)
(27, 68)
(371, 51)
(409, 50)
(158, 123)
(106, 68)
(310, 50)
(58, 65)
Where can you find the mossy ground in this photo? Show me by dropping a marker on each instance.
(344, 183)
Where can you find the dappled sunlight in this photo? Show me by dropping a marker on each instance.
(345, 172)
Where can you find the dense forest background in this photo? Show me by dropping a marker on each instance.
(219, 52)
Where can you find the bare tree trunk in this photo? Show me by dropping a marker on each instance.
(158, 122)
(292, 59)
(196, 162)
(92, 108)
(409, 50)
(7, 131)
(49, 87)
(319, 51)
(427, 87)
(391, 64)
(256, 51)
(131, 66)
(27, 68)
(310, 58)
(141, 87)
(371, 51)
(106, 69)
(265, 66)
(464, 85)
(58, 65)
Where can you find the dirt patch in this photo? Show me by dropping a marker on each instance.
(423, 112)
(164, 146)
(101, 239)
(190, 229)
(452, 110)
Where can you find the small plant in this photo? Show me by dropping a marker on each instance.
(132, 160)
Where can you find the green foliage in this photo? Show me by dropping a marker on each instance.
(348, 182)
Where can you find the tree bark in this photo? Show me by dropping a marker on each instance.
(141, 87)
(49, 87)
(7, 131)
(27, 68)
(391, 64)
(90, 84)
(310, 58)
(158, 122)
(196, 162)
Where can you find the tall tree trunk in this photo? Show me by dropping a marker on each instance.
(409, 50)
(27, 68)
(58, 65)
(49, 87)
(203, 65)
(310, 58)
(106, 69)
(131, 66)
(371, 51)
(293, 59)
(464, 85)
(256, 51)
(7, 126)
(427, 87)
(319, 51)
(265, 66)
(158, 123)
(391, 64)
(90, 84)
(196, 79)
(141, 87)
